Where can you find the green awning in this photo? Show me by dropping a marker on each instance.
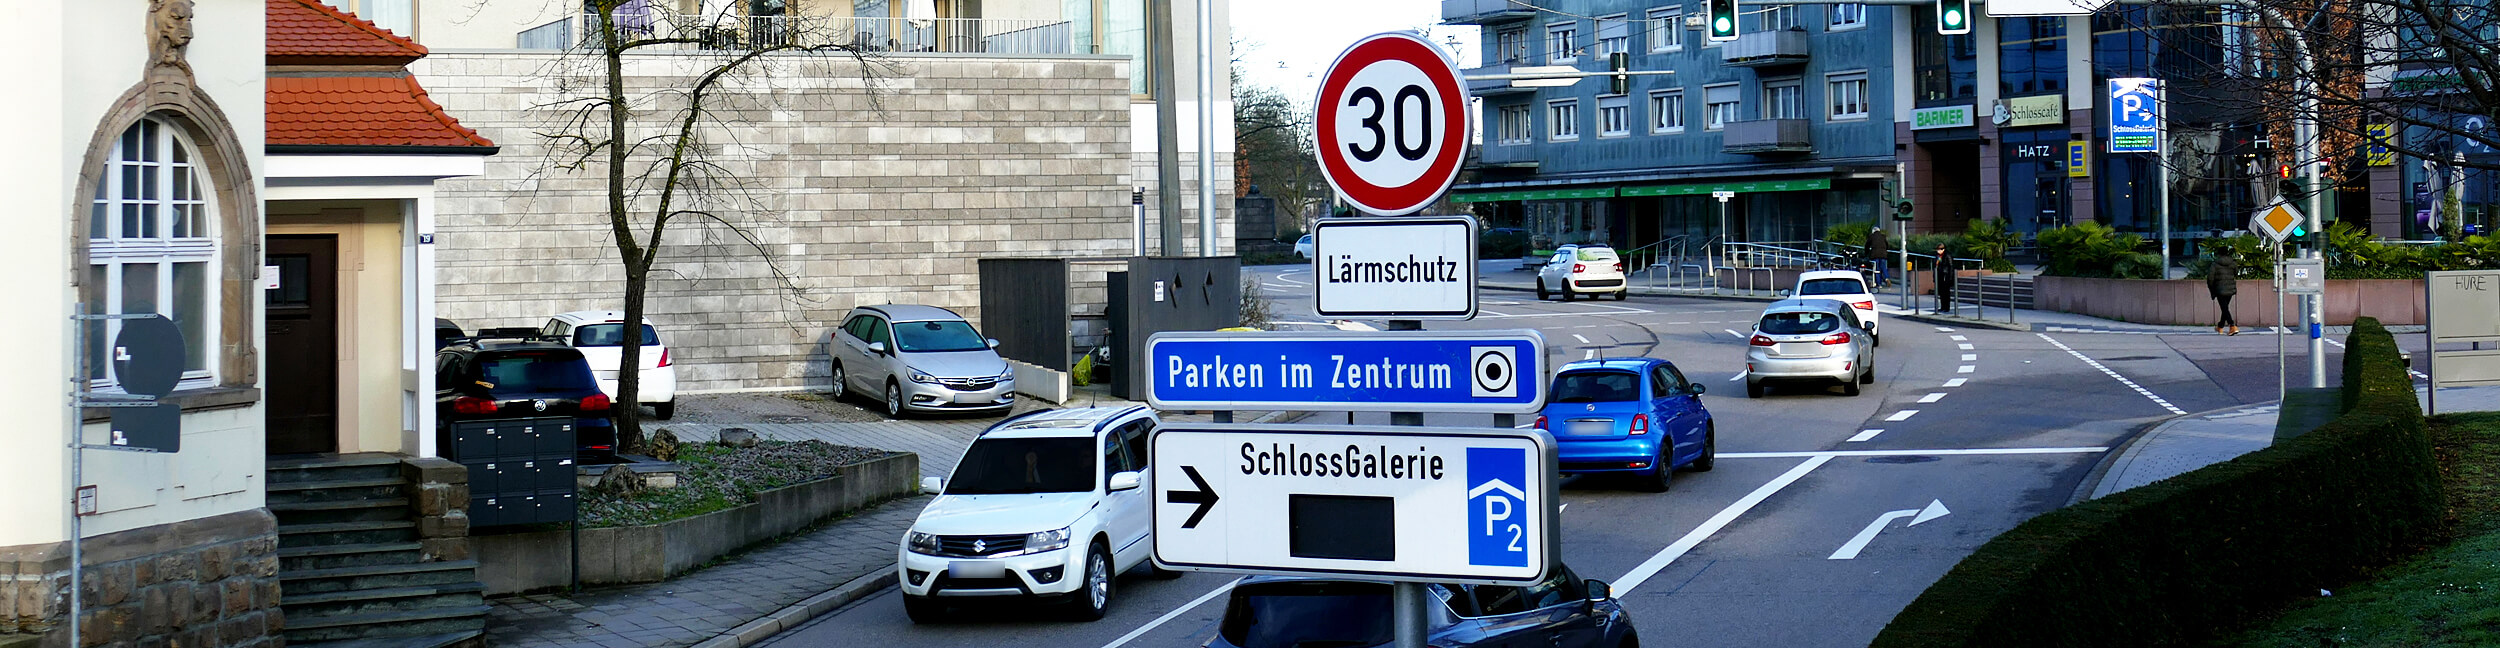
(1537, 194)
(1816, 184)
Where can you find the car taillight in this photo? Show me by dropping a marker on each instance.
(473, 405)
(1763, 340)
(1618, 266)
(1864, 305)
(663, 357)
(1540, 422)
(595, 403)
(1640, 424)
(1577, 268)
(1836, 338)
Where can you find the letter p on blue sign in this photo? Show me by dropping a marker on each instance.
(1497, 530)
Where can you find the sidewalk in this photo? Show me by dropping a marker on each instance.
(2186, 443)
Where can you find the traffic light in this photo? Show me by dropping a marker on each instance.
(1722, 20)
(1953, 16)
(1620, 83)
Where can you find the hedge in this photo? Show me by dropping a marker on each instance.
(2197, 555)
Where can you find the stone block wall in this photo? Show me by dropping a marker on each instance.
(208, 582)
(859, 197)
(438, 495)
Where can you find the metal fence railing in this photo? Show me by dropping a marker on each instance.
(894, 35)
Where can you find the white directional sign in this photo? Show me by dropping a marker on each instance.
(1392, 123)
(1467, 505)
(1414, 267)
(2023, 8)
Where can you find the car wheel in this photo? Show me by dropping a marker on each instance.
(1663, 473)
(893, 400)
(1867, 378)
(1709, 449)
(1095, 599)
(923, 610)
(1623, 294)
(1541, 293)
(664, 410)
(1753, 389)
(1874, 340)
(1849, 388)
(841, 382)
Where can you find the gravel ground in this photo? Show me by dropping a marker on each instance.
(719, 477)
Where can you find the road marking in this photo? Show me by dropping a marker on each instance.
(1633, 579)
(1902, 415)
(1935, 509)
(1908, 453)
(1930, 398)
(1582, 338)
(1353, 326)
(1958, 338)
(1946, 329)
(1526, 425)
(1862, 436)
(1590, 354)
(1611, 310)
(1277, 286)
(1965, 369)
(1490, 313)
(1970, 357)
(1739, 376)
(2409, 370)
(1733, 332)
(2096, 364)
(1675, 323)
(1167, 616)
(1287, 277)
(1965, 347)
(1957, 382)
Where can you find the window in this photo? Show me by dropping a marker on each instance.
(608, 335)
(1847, 91)
(1614, 116)
(1783, 99)
(945, 336)
(151, 248)
(1133, 436)
(1666, 111)
(1562, 42)
(1719, 106)
(1015, 466)
(1666, 29)
(1562, 120)
(1660, 385)
(1115, 459)
(1775, 18)
(1847, 16)
(1511, 46)
(1515, 127)
(1614, 34)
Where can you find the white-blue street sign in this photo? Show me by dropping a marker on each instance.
(1498, 372)
(2135, 107)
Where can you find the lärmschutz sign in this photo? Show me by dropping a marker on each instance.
(1500, 372)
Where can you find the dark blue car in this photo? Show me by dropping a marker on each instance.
(1633, 416)
(1300, 612)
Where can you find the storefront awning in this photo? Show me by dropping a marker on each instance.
(1534, 194)
(1812, 184)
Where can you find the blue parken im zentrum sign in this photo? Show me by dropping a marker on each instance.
(1374, 371)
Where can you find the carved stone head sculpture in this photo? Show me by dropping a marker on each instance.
(169, 28)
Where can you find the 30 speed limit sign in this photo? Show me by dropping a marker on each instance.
(1393, 123)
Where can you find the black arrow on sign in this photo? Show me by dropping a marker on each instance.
(1204, 497)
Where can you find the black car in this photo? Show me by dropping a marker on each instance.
(490, 378)
(1294, 612)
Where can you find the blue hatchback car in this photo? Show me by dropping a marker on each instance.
(1633, 416)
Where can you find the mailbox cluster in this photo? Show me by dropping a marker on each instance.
(521, 471)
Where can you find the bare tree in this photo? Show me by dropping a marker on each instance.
(1273, 138)
(662, 151)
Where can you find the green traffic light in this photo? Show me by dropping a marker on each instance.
(1723, 25)
(1953, 18)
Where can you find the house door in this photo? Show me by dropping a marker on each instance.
(303, 385)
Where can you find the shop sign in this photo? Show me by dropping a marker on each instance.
(2078, 159)
(2045, 110)
(1941, 117)
(2380, 136)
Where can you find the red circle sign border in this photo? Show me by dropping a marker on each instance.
(1407, 198)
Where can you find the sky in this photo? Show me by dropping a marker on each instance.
(1287, 44)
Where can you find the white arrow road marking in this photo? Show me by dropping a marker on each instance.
(2096, 364)
(1167, 616)
(1633, 579)
(1902, 415)
(1733, 332)
(1957, 382)
(1739, 376)
(1862, 436)
(1932, 397)
(1935, 509)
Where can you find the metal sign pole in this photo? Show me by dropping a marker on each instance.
(1406, 598)
(2282, 384)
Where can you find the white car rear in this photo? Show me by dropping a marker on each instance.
(1846, 286)
(600, 335)
(1582, 270)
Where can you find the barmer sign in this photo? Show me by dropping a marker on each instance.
(1941, 117)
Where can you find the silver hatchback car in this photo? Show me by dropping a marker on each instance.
(1809, 340)
(919, 358)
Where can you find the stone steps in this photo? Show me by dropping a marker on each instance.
(347, 555)
(352, 573)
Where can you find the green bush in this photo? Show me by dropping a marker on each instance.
(2255, 254)
(1989, 240)
(2091, 249)
(2190, 557)
(1853, 233)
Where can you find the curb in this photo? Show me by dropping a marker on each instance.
(756, 631)
(1957, 321)
(2125, 449)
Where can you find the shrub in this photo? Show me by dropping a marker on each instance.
(2255, 254)
(1853, 233)
(2189, 557)
(1988, 239)
(2094, 250)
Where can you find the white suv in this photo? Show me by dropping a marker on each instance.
(1844, 286)
(1052, 505)
(1582, 270)
(600, 336)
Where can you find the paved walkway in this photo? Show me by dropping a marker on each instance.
(2194, 441)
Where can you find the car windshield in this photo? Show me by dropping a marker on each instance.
(534, 372)
(1800, 323)
(1316, 614)
(608, 335)
(994, 466)
(937, 337)
(1832, 286)
(1596, 254)
(1596, 387)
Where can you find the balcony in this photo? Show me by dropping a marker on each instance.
(1768, 136)
(1483, 12)
(1767, 49)
(1507, 156)
(892, 35)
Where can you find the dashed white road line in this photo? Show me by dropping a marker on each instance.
(1733, 332)
(1970, 357)
(1933, 397)
(1965, 369)
(1582, 338)
(1946, 329)
(2096, 364)
(1167, 616)
(1958, 338)
(1590, 354)
(1862, 436)
(1633, 579)
(1957, 382)
(1965, 346)
(2409, 370)
(1902, 415)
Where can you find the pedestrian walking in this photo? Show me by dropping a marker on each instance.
(2222, 279)
(1879, 251)
(1944, 279)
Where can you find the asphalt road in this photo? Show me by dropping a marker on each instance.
(1989, 426)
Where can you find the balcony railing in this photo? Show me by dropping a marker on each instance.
(1478, 12)
(1768, 136)
(903, 35)
(1762, 49)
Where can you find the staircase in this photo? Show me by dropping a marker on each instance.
(351, 572)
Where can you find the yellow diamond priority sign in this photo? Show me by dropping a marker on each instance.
(2276, 222)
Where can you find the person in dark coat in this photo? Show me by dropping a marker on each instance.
(2222, 279)
(1879, 253)
(1944, 279)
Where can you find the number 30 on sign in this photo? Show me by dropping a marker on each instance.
(1393, 123)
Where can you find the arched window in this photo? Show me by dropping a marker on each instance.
(152, 247)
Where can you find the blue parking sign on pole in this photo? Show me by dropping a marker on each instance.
(1496, 507)
(2135, 115)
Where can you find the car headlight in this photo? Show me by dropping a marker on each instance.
(920, 377)
(922, 543)
(1007, 373)
(1046, 540)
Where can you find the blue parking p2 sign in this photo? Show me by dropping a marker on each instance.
(1497, 507)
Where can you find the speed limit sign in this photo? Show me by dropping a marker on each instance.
(1392, 123)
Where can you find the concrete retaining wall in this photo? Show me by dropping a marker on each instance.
(521, 562)
(2395, 302)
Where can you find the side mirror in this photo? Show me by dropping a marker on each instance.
(876, 348)
(932, 485)
(1125, 481)
(993, 342)
(1699, 389)
(1783, 293)
(1599, 591)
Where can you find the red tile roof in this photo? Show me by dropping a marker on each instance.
(307, 32)
(360, 111)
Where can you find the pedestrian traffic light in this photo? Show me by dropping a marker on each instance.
(1722, 20)
(1620, 83)
(1953, 16)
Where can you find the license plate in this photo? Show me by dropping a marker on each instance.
(975, 399)
(1591, 428)
(975, 569)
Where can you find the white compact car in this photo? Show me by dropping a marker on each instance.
(600, 336)
(1582, 270)
(1302, 247)
(1051, 506)
(1845, 286)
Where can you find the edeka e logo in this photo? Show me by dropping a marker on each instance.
(1497, 530)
